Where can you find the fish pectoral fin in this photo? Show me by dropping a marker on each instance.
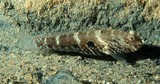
(119, 57)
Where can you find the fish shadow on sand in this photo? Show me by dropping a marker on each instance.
(146, 52)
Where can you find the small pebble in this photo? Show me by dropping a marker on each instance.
(157, 77)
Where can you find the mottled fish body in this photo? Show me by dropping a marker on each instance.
(109, 41)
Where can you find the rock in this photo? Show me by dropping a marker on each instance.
(62, 77)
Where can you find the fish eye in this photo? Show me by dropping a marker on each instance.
(90, 44)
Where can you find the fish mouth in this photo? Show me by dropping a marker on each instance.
(137, 46)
